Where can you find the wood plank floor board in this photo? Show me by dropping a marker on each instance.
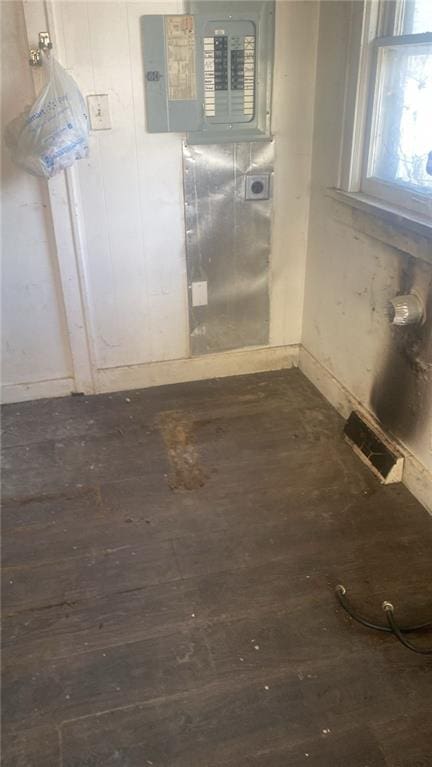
(59, 523)
(32, 747)
(357, 748)
(406, 741)
(154, 539)
(40, 514)
(91, 624)
(53, 465)
(192, 730)
(64, 630)
(86, 575)
(218, 724)
(72, 418)
(119, 675)
(164, 514)
(63, 418)
(305, 552)
(122, 513)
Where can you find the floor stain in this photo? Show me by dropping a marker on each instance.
(177, 431)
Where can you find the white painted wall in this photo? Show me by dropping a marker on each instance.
(350, 275)
(34, 338)
(131, 187)
(131, 258)
(292, 125)
(129, 194)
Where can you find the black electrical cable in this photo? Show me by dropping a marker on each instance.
(391, 628)
(396, 630)
(341, 592)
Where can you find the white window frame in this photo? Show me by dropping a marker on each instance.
(373, 26)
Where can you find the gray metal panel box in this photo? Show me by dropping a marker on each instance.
(209, 72)
(166, 111)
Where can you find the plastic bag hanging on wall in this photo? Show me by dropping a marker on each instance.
(52, 134)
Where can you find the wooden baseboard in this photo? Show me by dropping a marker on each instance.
(237, 362)
(232, 363)
(21, 392)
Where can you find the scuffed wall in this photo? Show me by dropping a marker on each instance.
(351, 276)
(34, 337)
(401, 394)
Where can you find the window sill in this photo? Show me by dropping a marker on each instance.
(410, 232)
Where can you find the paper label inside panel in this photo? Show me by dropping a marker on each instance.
(180, 44)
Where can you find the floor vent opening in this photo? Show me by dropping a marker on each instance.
(374, 448)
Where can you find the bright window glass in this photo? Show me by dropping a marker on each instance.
(401, 140)
(417, 17)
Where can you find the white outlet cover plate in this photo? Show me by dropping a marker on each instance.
(199, 294)
(99, 114)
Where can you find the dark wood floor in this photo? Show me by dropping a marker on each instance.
(169, 563)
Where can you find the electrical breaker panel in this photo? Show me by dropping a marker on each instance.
(208, 72)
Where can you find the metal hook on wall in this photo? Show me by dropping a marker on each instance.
(35, 54)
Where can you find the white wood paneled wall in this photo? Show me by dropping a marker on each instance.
(131, 194)
(36, 358)
(118, 217)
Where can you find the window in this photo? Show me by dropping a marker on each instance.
(391, 132)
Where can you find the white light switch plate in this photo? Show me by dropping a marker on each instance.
(199, 294)
(98, 106)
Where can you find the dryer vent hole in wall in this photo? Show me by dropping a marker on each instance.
(257, 186)
(374, 449)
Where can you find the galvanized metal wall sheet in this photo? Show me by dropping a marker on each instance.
(227, 244)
